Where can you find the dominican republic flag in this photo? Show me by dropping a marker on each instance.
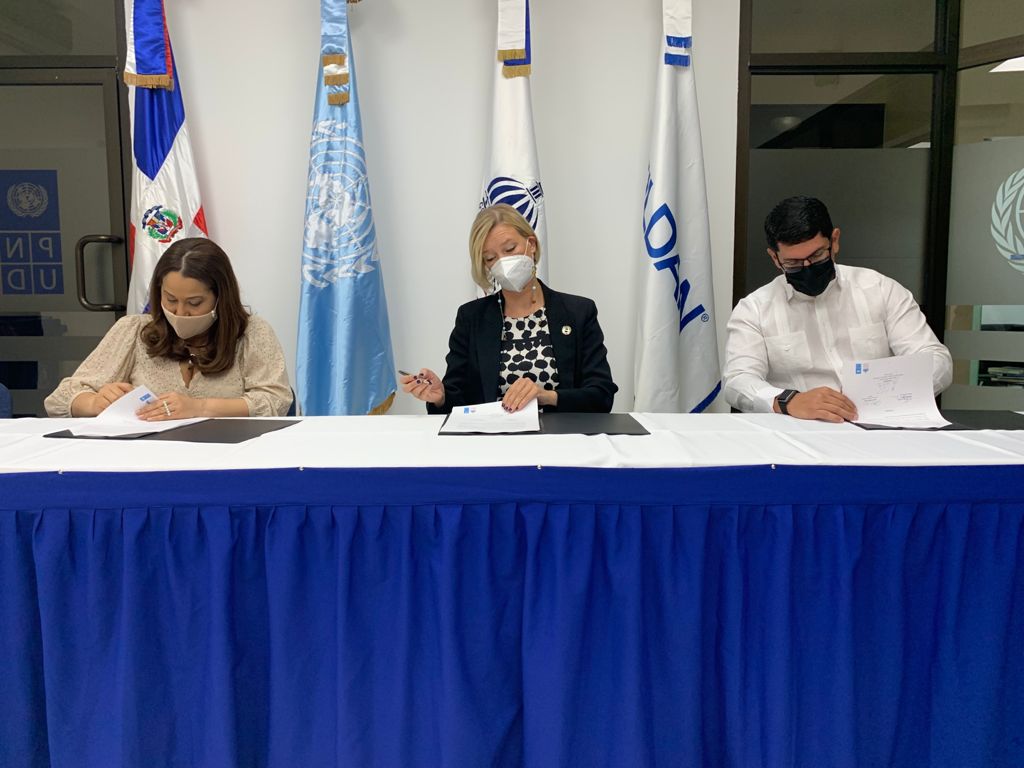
(165, 194)
(345, 364)
(512, 175)
(677, 348)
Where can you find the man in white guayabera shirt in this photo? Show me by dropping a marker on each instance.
(788, 340)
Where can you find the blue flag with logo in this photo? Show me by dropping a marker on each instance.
(345, 364)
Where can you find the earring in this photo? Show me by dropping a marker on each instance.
(533, 288)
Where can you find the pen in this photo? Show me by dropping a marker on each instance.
(418, 379)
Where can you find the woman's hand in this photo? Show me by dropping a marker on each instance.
(523, 391)
(425, 385)
(172, 405)
(95, 403)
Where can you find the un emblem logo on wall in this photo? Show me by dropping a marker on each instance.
(340, 240)
(505, 189)
(27, 200)
(1008, 220)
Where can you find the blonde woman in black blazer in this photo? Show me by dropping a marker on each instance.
(522, 342)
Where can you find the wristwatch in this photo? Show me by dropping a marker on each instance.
(784, 398)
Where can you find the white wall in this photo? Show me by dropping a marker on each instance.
(248, 73)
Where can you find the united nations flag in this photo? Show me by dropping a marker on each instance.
(345, 364)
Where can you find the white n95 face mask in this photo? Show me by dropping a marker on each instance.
(186, 327)
(513, 272)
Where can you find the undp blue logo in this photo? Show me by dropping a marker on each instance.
(526, 200)
(30, 245)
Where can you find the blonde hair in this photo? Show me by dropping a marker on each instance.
(485, 221)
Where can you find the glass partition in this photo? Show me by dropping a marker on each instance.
(860, 143)
(985, 288)
(839, 26)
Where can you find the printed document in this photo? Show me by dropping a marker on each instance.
(119, 419)
(491, 419)
(893, 391)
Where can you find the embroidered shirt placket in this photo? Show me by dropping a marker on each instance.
(780, 314)
(828, 333)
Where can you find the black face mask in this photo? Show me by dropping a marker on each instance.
(814, 279)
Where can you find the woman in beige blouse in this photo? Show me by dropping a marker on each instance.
(198, 348)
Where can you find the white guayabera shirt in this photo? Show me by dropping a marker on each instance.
(779, 338)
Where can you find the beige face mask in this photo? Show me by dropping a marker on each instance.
(187, 327)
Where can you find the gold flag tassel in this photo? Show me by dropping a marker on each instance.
(516, 70)
(511, 53)
(384, 407)
(336, 74)
(149, 81)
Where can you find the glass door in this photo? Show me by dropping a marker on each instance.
(61, 191)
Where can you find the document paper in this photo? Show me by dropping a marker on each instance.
(118, 419)
(491, 419)
(893, 391)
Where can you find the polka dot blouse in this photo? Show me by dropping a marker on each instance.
(526, 351)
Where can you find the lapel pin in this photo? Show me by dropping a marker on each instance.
(566, 330)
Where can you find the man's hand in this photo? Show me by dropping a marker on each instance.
(822, 403)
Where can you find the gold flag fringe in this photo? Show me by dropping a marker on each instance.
(333, 58)
(383, 408)
(149, 81)
(519, 70)
(511, 53)
(336, 79)
(337, 99)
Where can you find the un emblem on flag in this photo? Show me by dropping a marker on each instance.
(340, 240)
(505, 189)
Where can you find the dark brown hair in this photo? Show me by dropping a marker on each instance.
(203, 260)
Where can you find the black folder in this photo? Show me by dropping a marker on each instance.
(965, 420)
(575, 424)
(206, 431)
(984, 419)
(590, 424)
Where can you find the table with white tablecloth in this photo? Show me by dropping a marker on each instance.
(727, 590)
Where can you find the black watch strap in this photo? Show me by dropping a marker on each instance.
(784, 398)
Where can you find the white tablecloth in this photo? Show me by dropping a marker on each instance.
(676, 440)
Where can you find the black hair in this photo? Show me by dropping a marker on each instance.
(797, 220)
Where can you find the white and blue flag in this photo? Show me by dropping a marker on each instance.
(513, 171)
(345, 364)
(677, 347)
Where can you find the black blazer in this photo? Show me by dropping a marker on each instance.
(584, 378)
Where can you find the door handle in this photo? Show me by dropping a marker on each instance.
(80, 247)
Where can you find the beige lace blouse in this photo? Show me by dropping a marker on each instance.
(258, 375)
